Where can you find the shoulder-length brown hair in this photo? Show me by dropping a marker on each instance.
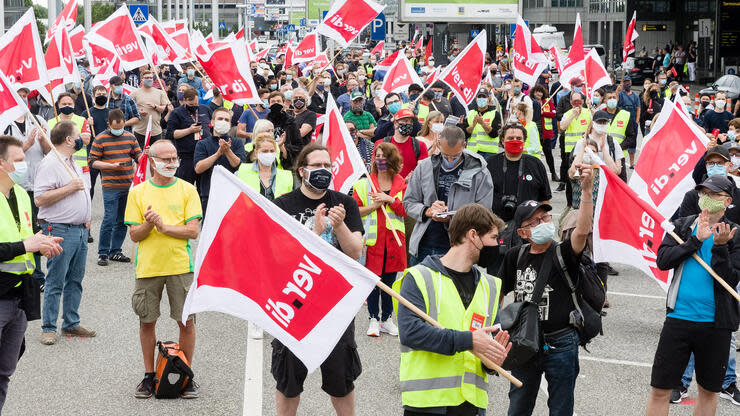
(392, 155)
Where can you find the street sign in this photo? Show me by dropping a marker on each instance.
(474, 33)
(290, 28)
(512, 28)
(222, 25)
(378, 28)
(323, 14)
(139, 13)
(303, 22)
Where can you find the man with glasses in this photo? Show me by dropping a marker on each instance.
(385, 126)
(438, 186)
(163, 213)
(717, 162)
(151, 102)
(574, 125)
(533, 273)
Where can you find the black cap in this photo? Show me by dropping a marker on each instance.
(526, 209)
(715, 183)
(601, 115)
(482, 93)
(718, 150)
(115, 80)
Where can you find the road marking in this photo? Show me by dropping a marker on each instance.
(637, 295)
(612, 361)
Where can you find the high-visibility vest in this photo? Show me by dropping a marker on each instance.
(423, 112)
(228, 105)
(80, 156)
(667, 92)
(618, 126)
(479, 140)
(546, 121)
(283, 179)
(576, 129)
(435, 380)
(532, 145)
(248, 147)
(11, 232)
(363, 189)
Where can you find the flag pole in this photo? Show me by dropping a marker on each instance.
(87, 108)
(714, 274)
(387, 217)
(553, 94)
(53, 148)
(488, 363)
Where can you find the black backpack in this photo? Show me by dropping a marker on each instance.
(414, 143)
(610, 143)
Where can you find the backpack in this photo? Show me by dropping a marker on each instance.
(612, 152)
(414, 144)
(172, 371)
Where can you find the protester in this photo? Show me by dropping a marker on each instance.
(430, 131)
(482, 125)
(163, 214)
(629, 101)
(344, 101)
(66, 113)
(254, 113)
(717, 162)
(719, 118)
(122, 101)
(386, 126)
(412, 151)
(98, 118)
(363, 145)
(574, 124)
(264, 175)
(287, 130)
(65, 211)
(151, 102)
(363, 120)
(545, 125)
(189, 78)
(439, 102)
(517, 97)
(532, 144)
(187, 125)
(651, 105)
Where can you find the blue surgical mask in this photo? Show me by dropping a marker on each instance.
(595, 100)
(393, 108)
(611, 103)
(719, 170)
(266, 103)
(543, 233)
(20, 172)
(481, 102)
(116, 132)
(448, 166)
(437, 95)
(578, 89)
(191, 72)
(118, 89)
(288, 96)
(731, 135)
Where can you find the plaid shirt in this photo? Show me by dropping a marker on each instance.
(125, 104)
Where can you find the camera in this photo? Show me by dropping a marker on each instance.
(509, 203)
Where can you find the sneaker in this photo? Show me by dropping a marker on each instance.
(145, 389)
(373, 330)
(560, 187)
(119, 257)
(48, 338)
(731, 393)
(90, 239)
(190, 391)
(79, 332)
(389, 327)
(102, 260)
(677, 395)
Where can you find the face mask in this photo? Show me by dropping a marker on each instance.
(221, 127)
(626, 87)
(118, 89)
(327, 82)
(20, 172)
(67, 110)
(731, 135)
(481, 102)
(161, 168)
(288, 96)
(514, 147)
(719, 104)
(405, 129)
(299, 103)
(191, 108)
(431, 63)
(318, 179)
(662, 82)
(437, 95)
(381, 163)
(517, 90)
(716, 170)
(543, 233)
(320, 87)
(449, 165)
(115, 132)
(180, 96)
(266, 159)
(438, 127)
(704, 104)
(357, 109)
(393, 108)
(273, 87)
(714, 206)
(611, 103)
(654, 94)
(191, 72)
(507, 86)
(148, 82)
(79, 143)
(736, 162)
(600, 128)
(595, 100)
(578, 89)
(101, 100)
(289, 77)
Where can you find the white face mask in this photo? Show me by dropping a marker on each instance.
(161, 168)
(221, 127)
(719, 104)
(266, 159)
(600, 128)
(437, 127)
(736, 162)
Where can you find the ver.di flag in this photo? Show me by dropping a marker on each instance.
(347, 164)
(399, 77)
(292, 283)
(65, 20)
(60, 62)
(118, 33)
(595, 74)
(307, 50)
(11, 104)
(574, 64)
(464, 74)
(347, 18)
(528, 61)
(140, 175)
(629, 38)
(228, 68)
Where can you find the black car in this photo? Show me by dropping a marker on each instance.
(641, 68)
(730, 84)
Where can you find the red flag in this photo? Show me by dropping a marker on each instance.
(574, 64)
(419, 43)
(430, 49)
(307, 50)
(399, 77)
(22, 57)
(159, 42)
(295, 285)
(182, 38)
(173, 26)
(346, 19)
(140, 175)
(99, 55)
(464, 74)
(119, 34)
(11, 104)
(595, 74)
(378, 49)
(433, 76)
(60, 63)
(107, 71)
(347, 164)
(320, 121)
(66, 19)
(209, 38)
(323, 62)
(627, 229)
(252, 47)
(528, 61)
(239, 34)
(228, 68)
(261, 54)
(629, 38)
(75, 38)
(557, 57)
(386, 63)
(669, 153)
(288, 62)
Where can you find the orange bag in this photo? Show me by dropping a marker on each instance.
(172, 371)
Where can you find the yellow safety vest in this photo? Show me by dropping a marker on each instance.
(532, 145)
(546, 121)
(422, 113)
(576, 129)
(479, 140)
(618, 127)
(363, 189)
(667, 92)
(283, 179)
(80, 156)
(435, 380)
(11, 232)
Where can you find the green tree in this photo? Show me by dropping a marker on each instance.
(99, 12)
(40, 13)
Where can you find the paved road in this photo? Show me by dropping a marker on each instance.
(98, 376)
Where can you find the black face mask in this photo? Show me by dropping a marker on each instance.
(67, 110)
(405, 129)
(704, 104)
(299, 103)
(488, 255)
(191, 108)
(101, 100)
(319, 179)
(276, 108)
(654, 94)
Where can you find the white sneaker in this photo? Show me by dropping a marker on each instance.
(255, 332)
(373, 330)
(389, 327)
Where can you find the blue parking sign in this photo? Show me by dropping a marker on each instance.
(377, 27)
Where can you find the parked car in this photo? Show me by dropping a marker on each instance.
(730, 84)
(637, 68)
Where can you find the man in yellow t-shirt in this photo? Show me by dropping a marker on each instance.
(163, 214)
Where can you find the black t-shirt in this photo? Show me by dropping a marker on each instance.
(464, 283)
(100, 119)
(534, 182)
(303, 209)
(714, 120)
(436, 235)
(556, 302)
(306, 117)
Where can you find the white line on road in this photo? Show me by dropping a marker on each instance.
(637, 295)
(612, 361)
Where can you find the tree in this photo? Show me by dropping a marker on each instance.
(41, 14)
(100, 11)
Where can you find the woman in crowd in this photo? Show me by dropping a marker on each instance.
(263, 174)
(532, 144)
(376, 105)
(545, 126)
(651, 106)
(430, 130)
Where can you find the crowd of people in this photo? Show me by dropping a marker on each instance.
(450, 187)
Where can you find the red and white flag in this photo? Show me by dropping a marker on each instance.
(419, 43)
(60, 62)
(629, 38)
(320, 121)
(75, 38)
(22, 57)
(262, 54)
(295, 285)
(528, 61)
(399, 77)
(323, 61)
(119, 33)
(209, 38)
(595, 74)
(378, 49)
(159, 42)
(347, 18)
(669, 153)
(11, 104)
(252, 47)
(198, 44)
(347, 164)
(627, 229)
(575, 62)
(109, 70)
(240, 33)
(98, 54)
(433, 76)
(172, 26)
(430, 49)
(140, 175)
(386, 63)
(464, 74)
(228, 68)
(66, 19)
(288, 61)
(307, 50)
(182, 38)
(557, 57)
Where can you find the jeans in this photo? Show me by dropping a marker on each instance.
(112, 229)
(373, 305)
(730, 376)
(423, 252)
(64, 276)
(560, 366)
(12, 327)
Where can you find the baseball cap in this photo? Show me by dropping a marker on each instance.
(715, 183)
(627, 78)
(355, 95)
(602, 115)
(482, 93)
(718, 150)
(526, 209)
(403, 113)
(731, 146)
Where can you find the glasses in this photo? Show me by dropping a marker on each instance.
(170, 160)
(352, 130)
(537, 221)
(713, 195)
(319, 165)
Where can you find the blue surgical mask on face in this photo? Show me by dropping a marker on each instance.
(578, 89)
(118, 89)
(20, 172)
(543, 233)
(116, 132)
(449, 165)
(393, 108)
(481, 102)
(720, 170)
(595, 100)
(191, 72)
(437, 95)
(611, 103)
(731, 135)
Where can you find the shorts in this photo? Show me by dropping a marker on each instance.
(148, 294)
(678, 339)
(338, 372)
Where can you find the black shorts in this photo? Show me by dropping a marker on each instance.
(678, 340)
(338, 372)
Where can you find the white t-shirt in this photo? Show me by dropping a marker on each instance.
(618, 155)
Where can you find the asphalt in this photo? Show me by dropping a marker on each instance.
(98, 376)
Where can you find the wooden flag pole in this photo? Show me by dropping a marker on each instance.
(387, 217)
(84, 98)
(53, 148)
(488, 363)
